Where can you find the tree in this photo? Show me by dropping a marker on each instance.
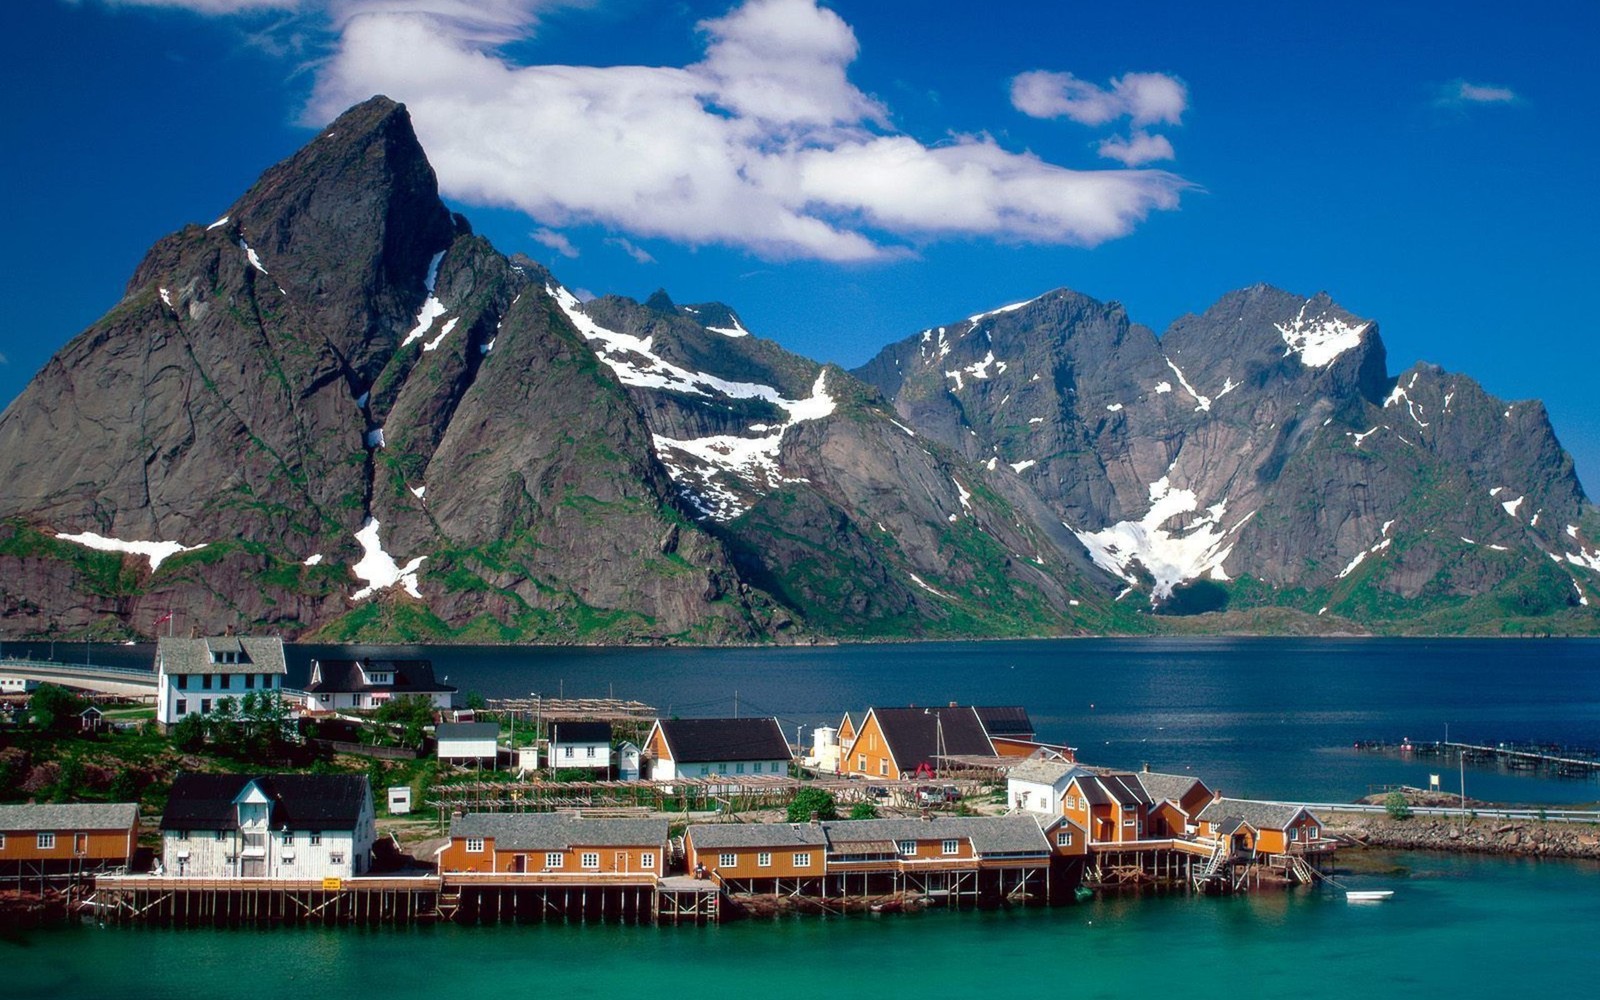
(69, 782)
(413, 711)
(1396, 806)
(54, 707)
(812, 799)
(124, 786)
(863, 810)
(189, 735)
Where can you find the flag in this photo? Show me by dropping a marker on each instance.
(164, 618)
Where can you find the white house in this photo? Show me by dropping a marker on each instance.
(275, 826)
(1037, 786)
(824, 754)
(368, 683)
(468, 742)
(627, 761)
(193, 675)
(581, 745)
(17, 685)
(698, 748)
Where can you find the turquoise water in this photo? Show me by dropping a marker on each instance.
(1457, 927)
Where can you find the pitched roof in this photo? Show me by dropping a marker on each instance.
(914, 735)
(70, 816)
(558, 831)
(715, 836)
(466, 731)
(580, 732)
(1005, 720)
(1122, 788)
(1044, 772)
(256, 655)
(1172, 787)
(697, 741)
(299, 801)
(990, 835)
(345, 676)
(1260, 815)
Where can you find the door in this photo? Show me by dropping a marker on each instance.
(253, 867)
(80, 844)
(621, 863)
(519, 863)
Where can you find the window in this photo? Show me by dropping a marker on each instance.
(647, 859)
(951, 847)
(589, 753)
(1294, 833)
(205, 706)
(474, 845)
(205, 682)
(183, 834)
(590, 859)
(1072, 802)
(2, 841)
(287, 859)
(249, 681)
(764, 859)
(566, 752)
(1311, 833)
(738, 768)
(705, 769)
(883, 768)
(183, 682)
(1127, 821)
(803, 859)
(47, 842)
(315, 838)
(861, 763)
(554, 859)
(218, 836)
(727, 860)
(182, 707)
(1064, 838)
(337, 858)
(288, 838)
(908, 847)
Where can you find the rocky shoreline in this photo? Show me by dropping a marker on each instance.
(1469, 835)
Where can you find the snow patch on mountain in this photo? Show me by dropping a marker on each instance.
(736, 330)
(432, 308)
(218, 224)
(1013, 307)
(1512, 505)
(379, 569)
(1319, 339)
(156, 552)
(251, 256)
(449, 325)
(1170, 556)
(1023, 465)
(1201, 402)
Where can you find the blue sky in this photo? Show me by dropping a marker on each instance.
(846, 175)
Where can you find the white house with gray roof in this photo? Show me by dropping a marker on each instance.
(194, 675)
(1038, 786)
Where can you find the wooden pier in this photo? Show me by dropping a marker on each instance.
(192, 902)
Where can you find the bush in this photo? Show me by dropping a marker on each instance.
(189, 735)
(863, 810)
(811, 799)
(1396, 806)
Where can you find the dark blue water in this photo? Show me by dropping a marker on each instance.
(1257, 717)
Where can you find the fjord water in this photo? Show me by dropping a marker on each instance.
(1267, 718)
(1457, 927)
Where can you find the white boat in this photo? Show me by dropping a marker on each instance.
(1367, 895)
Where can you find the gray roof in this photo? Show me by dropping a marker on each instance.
(466, 731)
(1016, 834)
(1167, 786)
(1261, 815)
(1045, 772)
(713, 836)
(258, 655)
(81, 816)
(558, 831)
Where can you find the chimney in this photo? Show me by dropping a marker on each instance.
(952, 704)
(1145, 767)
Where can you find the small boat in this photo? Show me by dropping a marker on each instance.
(1367, 895)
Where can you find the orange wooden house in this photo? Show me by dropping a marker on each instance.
(1175, 803)
(555, 848)
(1255, 829)
(1111, 807)
(898, 743)
(746, 855)
(46, 839)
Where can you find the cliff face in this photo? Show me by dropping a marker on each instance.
(337, 412)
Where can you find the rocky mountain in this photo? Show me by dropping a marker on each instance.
(336, 412)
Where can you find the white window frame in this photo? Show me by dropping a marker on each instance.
(589, 860)
(336, 858)
(474, 845)
(647, 860)
(1064, 838)
(802, 859)
(727, 860)
(763, 859)
(950, 846)
(314, 838)
(1294, 833)
(555, 859)
(907, 848)
(45, 842)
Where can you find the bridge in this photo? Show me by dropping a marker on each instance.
(120, 681)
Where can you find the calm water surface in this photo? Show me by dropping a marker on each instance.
(1257, 717)
(1457, 927)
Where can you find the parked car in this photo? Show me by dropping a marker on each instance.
(929, 795)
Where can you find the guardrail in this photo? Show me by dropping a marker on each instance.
(62, 666)
(1482, 812)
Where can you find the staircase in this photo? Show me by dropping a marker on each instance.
(1214, 865)
(1303, 872)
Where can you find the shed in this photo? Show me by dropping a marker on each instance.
(468, 742)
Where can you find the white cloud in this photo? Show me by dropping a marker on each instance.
(763, 145)
(1460, 93)
(555, 241)
(1140, 147)
(639, 254)
(216, 6)
(1146, 98)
